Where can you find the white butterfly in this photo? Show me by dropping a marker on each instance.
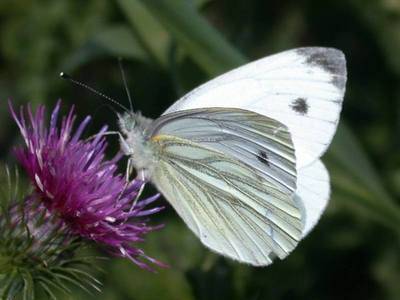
(238, 157)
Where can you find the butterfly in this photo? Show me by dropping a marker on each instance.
(238, 158)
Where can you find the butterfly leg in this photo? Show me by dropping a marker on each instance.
(126, 149)
(128, 172)
(142, 177)
(105, 133)
(129, 169)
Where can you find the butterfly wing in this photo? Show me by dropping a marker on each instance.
(302, 88)
(238, 202)
(260, 142)
(313, 191)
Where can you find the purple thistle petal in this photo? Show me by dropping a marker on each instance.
(75, 181)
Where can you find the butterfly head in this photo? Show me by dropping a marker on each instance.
(131, 122)
(133, 127)
(127, 123)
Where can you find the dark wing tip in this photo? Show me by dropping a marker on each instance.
(331, 60)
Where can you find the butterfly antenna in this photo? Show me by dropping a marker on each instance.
(128, 93)
(81, 84)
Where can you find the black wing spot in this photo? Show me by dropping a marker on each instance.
(300, 106)
(263, 157)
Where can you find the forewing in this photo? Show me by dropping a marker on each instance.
(231, 176)
(302, 88)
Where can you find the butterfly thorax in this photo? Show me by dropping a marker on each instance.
(134, 142)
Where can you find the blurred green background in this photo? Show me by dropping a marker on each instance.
(171, 46)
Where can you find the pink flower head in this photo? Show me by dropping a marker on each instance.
(75, 181)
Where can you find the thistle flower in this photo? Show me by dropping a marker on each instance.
(36, 250)
(75, 181)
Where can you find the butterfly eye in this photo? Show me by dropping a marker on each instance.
(127, 123)
(131, 122)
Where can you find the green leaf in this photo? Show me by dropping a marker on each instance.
(347, 151)
(147, 29)
(28, 293)
(115, 41)
(162, 245)
(354, 174)
(167, 284)
(7, 284)
(384, 30)
(118, 41)
(48, 291)
(200, 3)
(206, 46)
